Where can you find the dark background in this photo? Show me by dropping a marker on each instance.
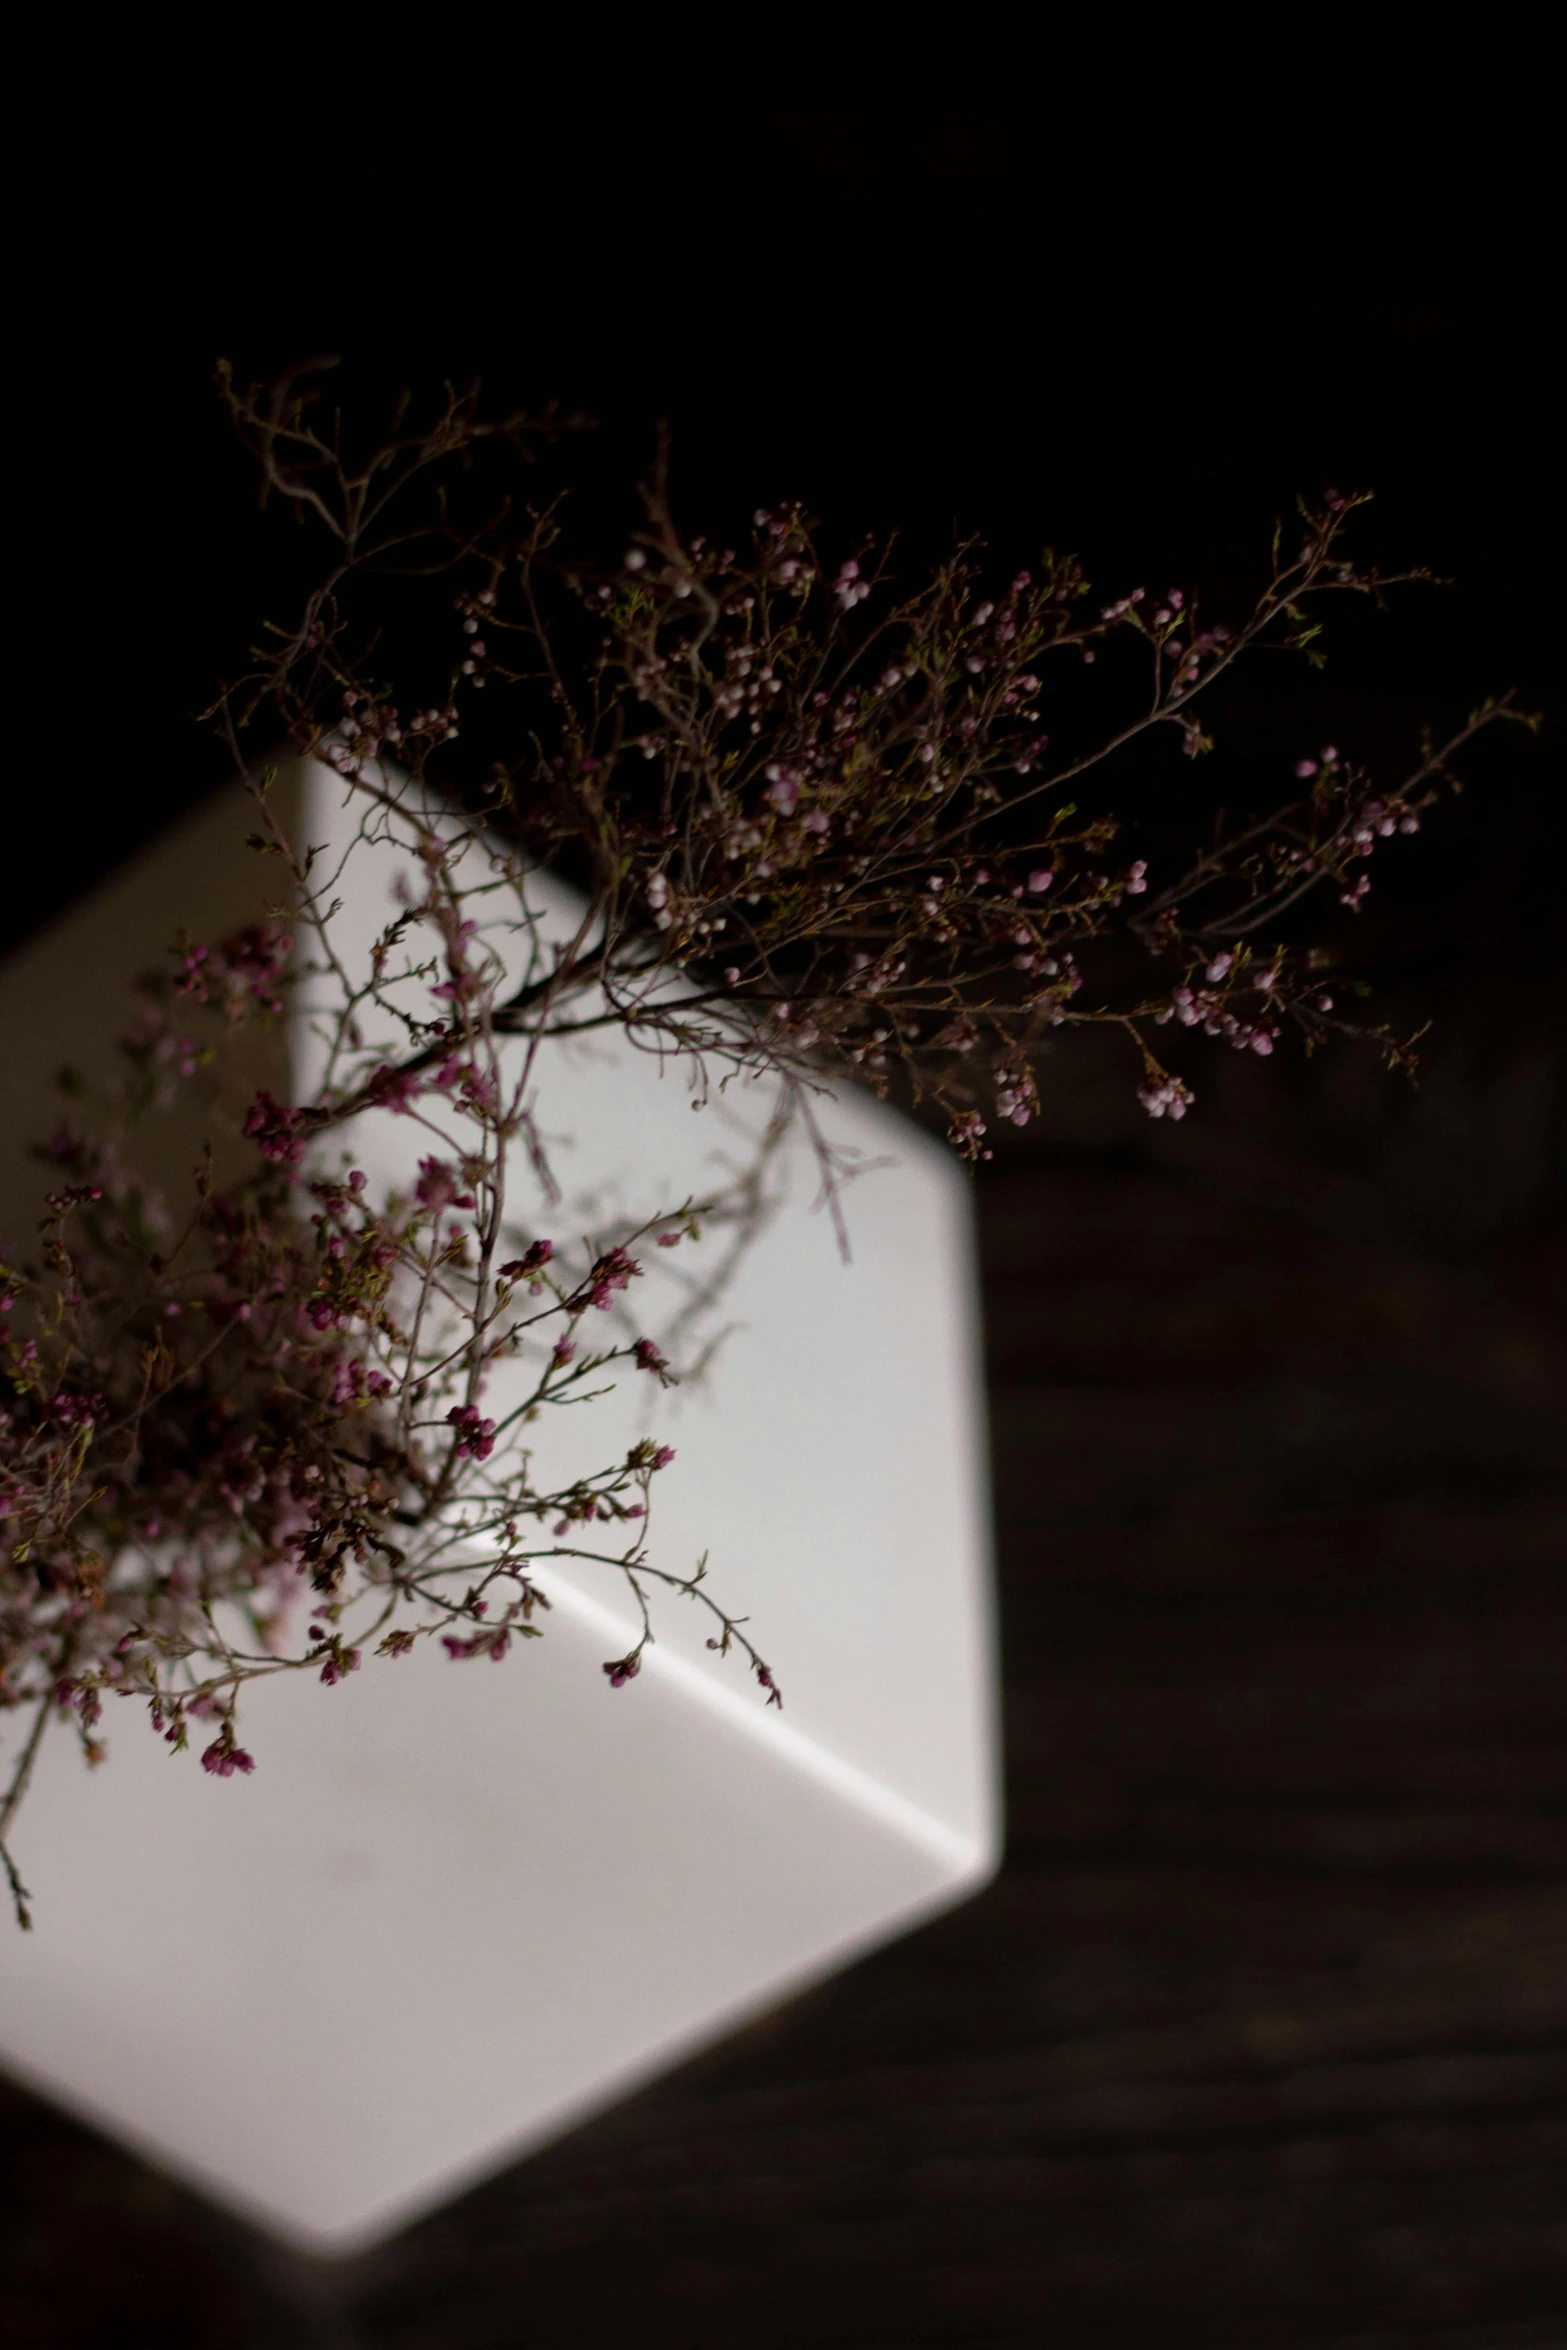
(1259, 2039)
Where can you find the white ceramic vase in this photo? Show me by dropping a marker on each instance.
(457, 1908)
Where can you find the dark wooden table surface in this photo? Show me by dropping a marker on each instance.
(1259, 2038)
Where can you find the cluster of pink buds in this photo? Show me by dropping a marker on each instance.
(235, 971)
(848, 587)
(437, 1187)
(530, 1265)
(353, 1385)
(967, 1133)
(223, 1758)
(493, 1644)
(1166, 1097)
(277, 1132)
(1198, 1007)
(475, 1436)
(612, 1272)
(1016, 1097)
(365, 727)
(477, 651)
(1306, 768)
(783, 788)
(340, 1662)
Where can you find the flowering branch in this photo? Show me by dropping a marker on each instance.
(819, 832)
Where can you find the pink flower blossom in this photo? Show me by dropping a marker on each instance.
(437, 1186)
(475, 1436)
(611, 1273)
(276, 1131)
(1165, 1097)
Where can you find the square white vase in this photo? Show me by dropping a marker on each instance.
(460, 1907)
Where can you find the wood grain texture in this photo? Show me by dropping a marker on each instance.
(1261, 2038)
